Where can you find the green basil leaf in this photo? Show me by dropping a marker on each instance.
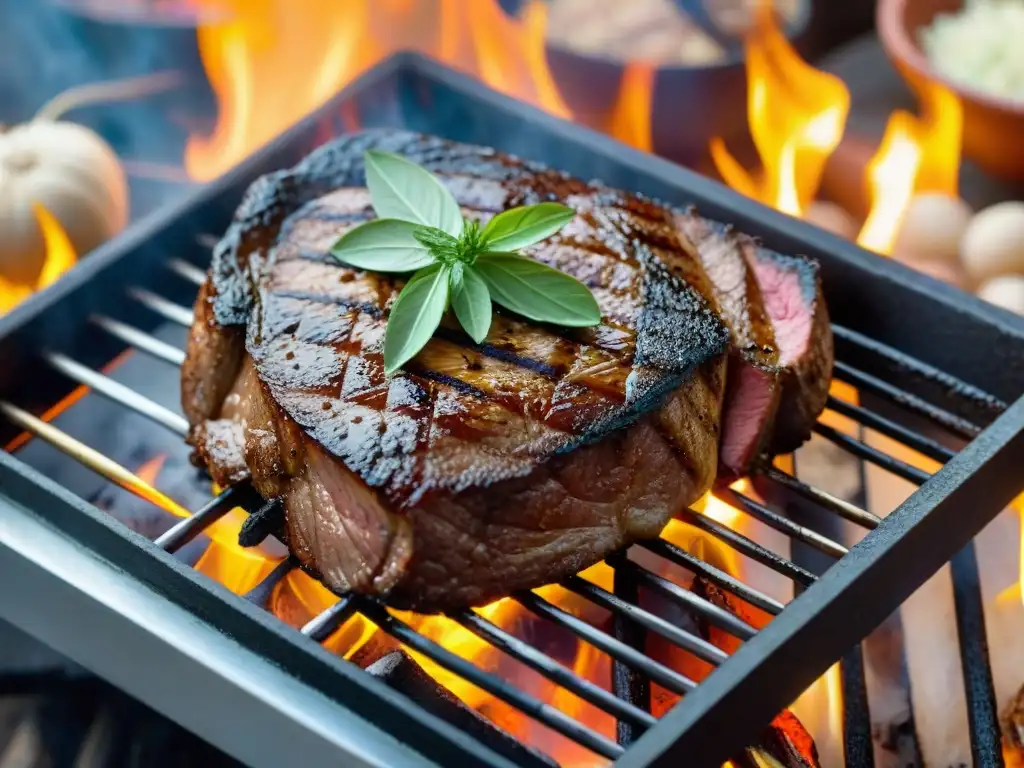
(415, 316)
(383, 245)
(472, 304)
(537, 291)
(400, 189)
(520, 227)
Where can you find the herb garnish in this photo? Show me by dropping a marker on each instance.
(456, 263)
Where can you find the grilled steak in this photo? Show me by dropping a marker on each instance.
(478, 470)
(752, 391)
(793, 301)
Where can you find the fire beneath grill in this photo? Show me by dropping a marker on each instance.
(265, 575)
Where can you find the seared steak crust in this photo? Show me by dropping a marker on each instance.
(479, 469)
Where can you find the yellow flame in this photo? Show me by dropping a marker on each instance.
(917, 154)
(797, 115)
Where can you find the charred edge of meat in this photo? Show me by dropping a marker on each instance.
(794, 299)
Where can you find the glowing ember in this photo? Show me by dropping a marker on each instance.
(797, 115)
(820, 709)
(916, 155)
(60, 257)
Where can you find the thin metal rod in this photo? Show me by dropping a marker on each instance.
(698, 646)
(627, 683)
(858, 745)
(825, 500)
(117, 392)
(982, 714)
(660, 674)
(141, 340)
(321, 626)
(552, 670)
(716, 576)
(868, 383)
(260, 593)
(544, 713)
(91, 458)
(190, 272)
(905, 361)
(872, 454)
(184, 531)
(745, 546)
(890, 428)
(166, 309)
(714, 614)
(782, 524)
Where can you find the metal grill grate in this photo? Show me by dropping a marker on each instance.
(201, 649)
(623, 702)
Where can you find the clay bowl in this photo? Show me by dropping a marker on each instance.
(691, 103)
(992, 126)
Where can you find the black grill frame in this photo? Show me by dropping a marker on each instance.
(937, 342)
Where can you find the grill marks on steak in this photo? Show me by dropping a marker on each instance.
(752, 389)
(480, 469)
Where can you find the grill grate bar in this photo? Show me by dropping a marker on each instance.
(901, 360)
(184, 531)
(875, 456)
(782, 524)
(720, 617)
(747, 547)
(715, 575)
(552, 670)
(627, 683)
(184, 269)
(530, 705)
(889, 428)
(166, 309)
(140, 340)
(698, 646)
(912, 403)
(825, 500)
(322, 626)
(260, 593)
(660, 674)
(117, 392)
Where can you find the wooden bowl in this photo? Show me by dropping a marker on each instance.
(993, 127)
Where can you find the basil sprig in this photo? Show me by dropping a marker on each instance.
(420, 229)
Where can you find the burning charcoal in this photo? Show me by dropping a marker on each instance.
(1012, 722)
(266, 521)
(785, 740)
(401, 673)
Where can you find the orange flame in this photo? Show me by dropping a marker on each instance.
(820, 709)
(797, 115)
(60, 257)
(917, 154)
(634, 108)
(270, 63)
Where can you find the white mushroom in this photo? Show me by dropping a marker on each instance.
(993, 244)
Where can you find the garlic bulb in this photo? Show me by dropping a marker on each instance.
(70, 171)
